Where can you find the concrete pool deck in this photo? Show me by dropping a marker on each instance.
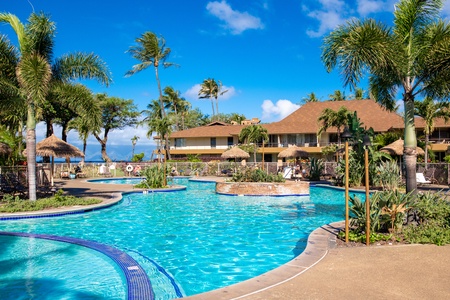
(324, 271)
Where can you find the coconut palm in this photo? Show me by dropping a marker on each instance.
(337, 96)
(429, 111)
(412, 55)
(35, 73)
(176, 103)
(311, 97)
(134, 140)
(254, 134)
(151, 50)
(207, 90)
(331, 118)
(212, 89)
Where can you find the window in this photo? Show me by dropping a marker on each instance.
(230, 141)
(180, 143)
(213, 142)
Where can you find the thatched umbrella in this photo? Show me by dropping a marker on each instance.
(293, 151)
(5, 149)
(55, 147)
(396, 148)
(235, 152)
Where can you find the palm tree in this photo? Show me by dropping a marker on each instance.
(85, 125)
(254, 134)
(429, 111)
(207, 90)
(331, 118)
(212, 89)
(177, 103)
(151, 51)
(311, 97)
(35, 73)
(337, 96)
(412, 55)
(134, 140)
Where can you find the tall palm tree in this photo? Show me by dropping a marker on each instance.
(429, 111)
(85, 125)
(254, 134)
(208, 88)
(331, 118)
(35, 73)
(134, 140)
(311, 97)
(337, 96)
(412, 55)
(175, 102)
(151, 50)
(212, 89)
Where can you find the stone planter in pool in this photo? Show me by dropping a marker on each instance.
(263, 188)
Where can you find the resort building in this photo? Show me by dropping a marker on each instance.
(299, 128)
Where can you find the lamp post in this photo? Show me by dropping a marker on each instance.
(346, 135)
(366, 144)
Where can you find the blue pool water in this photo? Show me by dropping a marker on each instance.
(194, 240)
(44, 269)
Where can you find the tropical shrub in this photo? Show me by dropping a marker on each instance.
(154, 177)
(388, 175)
(255, 175)
(433, 216)
(11, 204)
(138, 157)
(316, 169)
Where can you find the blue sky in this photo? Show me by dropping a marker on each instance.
(265, 52)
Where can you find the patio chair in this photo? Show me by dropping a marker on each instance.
(14, 186)
(420, 179)
(103, 171)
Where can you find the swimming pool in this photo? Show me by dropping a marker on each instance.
(194, 240)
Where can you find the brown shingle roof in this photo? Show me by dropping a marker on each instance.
(304, 119)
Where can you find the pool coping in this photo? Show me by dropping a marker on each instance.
(319, 242)
(138, 283)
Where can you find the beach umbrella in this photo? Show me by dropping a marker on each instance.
(235, 152)
(55, 147)
(293, 151)
(396, 148)
(5, 149)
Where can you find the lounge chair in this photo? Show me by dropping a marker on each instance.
(420, 179)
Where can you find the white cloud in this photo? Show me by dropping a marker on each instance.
(275, 112)
(366, 7)
(333, 13)
(192, 93)
(235, 21)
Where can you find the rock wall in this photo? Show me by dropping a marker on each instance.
(263, 188)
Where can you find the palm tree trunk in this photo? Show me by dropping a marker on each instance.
(31, 152)
(217, 109)
(161, 103)
(427, 138)
(84, 150)
(212, 105)
(410, 147)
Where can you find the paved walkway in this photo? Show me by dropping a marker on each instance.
(375, 272)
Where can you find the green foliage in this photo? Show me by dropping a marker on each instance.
(316, 169)
(388, 175)
(11, 204)
(427, 234)
(138, 157)
(447, 159)
(359, 237)
(387, 211)
(154, 178)
(193, 158)
(256, 175)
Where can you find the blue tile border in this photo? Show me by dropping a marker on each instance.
(138, 283)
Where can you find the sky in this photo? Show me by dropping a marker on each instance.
(266, 53)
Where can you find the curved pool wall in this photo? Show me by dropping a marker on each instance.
(137, 282)
(263, 188)
(200, 180)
